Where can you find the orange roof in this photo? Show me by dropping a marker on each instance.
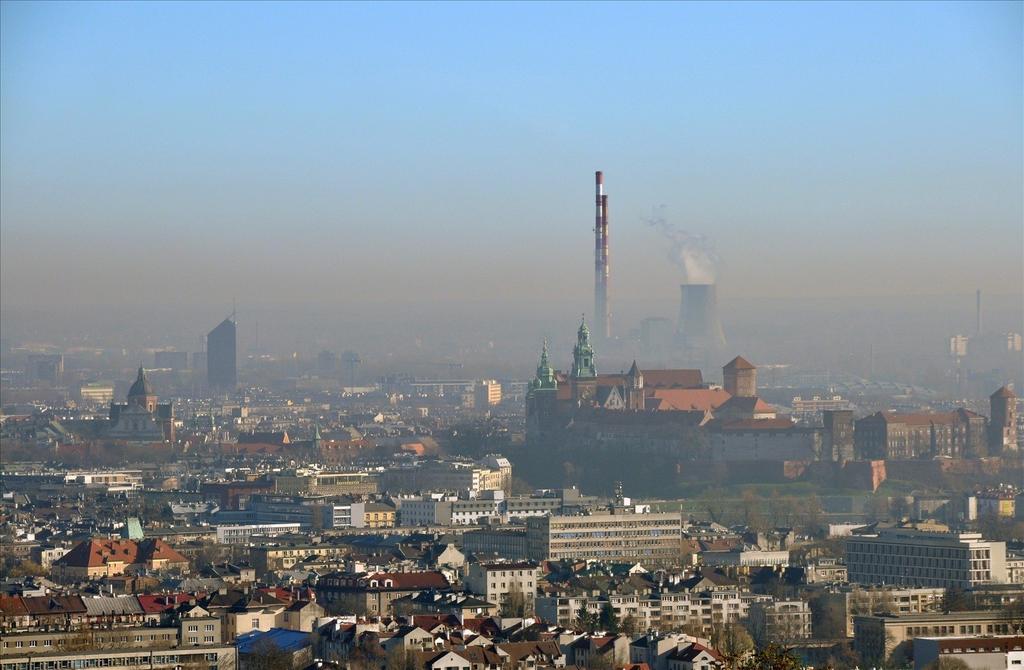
(689, 399)
(668, 379)
(97, 552)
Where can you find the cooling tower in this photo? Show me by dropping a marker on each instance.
(699, 326)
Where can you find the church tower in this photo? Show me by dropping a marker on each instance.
(634, 387)
(542, 397)
(584, 372)
(141, 393)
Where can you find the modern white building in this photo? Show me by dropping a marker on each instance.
(909, 557)
(242, 534)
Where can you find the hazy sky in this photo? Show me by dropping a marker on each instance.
(364, 152)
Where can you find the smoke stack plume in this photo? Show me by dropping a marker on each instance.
(694, 254)
(602, 314)
(699, 325)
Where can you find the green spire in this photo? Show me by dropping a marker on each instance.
(545, 378)
(583, 354)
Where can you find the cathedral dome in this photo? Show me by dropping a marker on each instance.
(141, 387)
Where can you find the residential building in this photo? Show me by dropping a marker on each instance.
(652, 539)
(496, 581)
(372, 593)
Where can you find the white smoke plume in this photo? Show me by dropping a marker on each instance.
(694, 253)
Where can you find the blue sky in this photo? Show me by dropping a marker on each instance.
(345, 152)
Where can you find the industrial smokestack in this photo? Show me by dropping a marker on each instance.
(606, 312)
(699, 325)
(977, 315)
(602, 315)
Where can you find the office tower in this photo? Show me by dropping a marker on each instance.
(221, 362)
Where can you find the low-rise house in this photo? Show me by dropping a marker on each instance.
(441, 660)
(695, 657)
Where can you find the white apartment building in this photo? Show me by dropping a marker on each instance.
(242, 534)
(909, 557)
(666, 611)
(494, 581)
(650, 539)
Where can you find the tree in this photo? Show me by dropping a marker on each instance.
(584, 619)
(712, 500)
(1014, 614)
(843, 657)
(609, 620)
(955, 599)
(629, 626)
(877, 508)
(772, 657)
(514, 603)
(751, 507)
(27, 568)
(827, 617)
(401, 658)
(265, 655)
(812, 516)
(899, 508)
(732, 641)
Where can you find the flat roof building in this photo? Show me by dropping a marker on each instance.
(909, 557)
(650, 539)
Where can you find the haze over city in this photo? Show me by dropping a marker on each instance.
(399, 159)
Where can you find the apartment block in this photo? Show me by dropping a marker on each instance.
(652, 539)
(495, 581)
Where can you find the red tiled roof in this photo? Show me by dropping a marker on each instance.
(54, 604)
(12, 606)
(98, 552)
(163, 602)
(672, 378)
(690, 399)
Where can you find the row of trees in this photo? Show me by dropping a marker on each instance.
(759, 513)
